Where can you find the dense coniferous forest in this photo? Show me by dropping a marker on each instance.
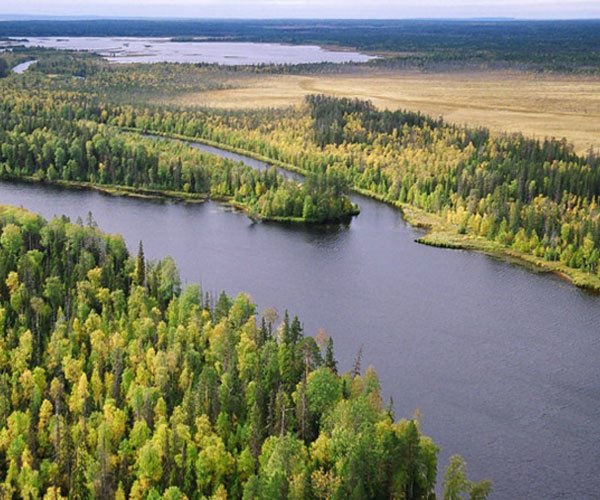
(4, 69)
(116, 383)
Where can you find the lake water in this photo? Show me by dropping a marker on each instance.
(503, 363)
(149, 50)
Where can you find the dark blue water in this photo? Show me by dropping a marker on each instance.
(503, 363)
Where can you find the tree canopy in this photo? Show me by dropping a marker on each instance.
(118, 383)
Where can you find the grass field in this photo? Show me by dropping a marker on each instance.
(538, 105)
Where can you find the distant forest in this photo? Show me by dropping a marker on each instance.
(564, 46)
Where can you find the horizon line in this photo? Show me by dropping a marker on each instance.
(76, 17)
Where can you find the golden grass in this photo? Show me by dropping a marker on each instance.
(535, 104)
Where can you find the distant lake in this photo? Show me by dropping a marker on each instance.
(151, 50)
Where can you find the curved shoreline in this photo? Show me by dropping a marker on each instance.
(167, 195)
(438, 233)
(22, 67)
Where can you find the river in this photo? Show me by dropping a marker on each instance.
(21, 68)
(502, 363)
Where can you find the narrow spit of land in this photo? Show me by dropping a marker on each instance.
(439, 232)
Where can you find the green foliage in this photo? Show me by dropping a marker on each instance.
(323, 391)
(456, 483)
(139, 276)
(64, 137)
(4, 69)
(109, 388)
(351, 120)
(534, 197)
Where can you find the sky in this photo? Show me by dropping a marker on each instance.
(258, 9)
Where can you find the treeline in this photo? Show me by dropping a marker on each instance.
(351, 120)
(90, 74)
(563, 46)
(116, 383)
(535, 197)
(57, 62)
(56, 140)
(4, 69)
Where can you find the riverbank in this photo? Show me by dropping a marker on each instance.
(346, 218)
(24, 66)
(439, 233)
(444, 235)
(255, 156)
(115, 190)
(220, 145)
(167, 195)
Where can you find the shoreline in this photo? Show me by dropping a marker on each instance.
(114, 190)
(441, 234)
(438, 234)
(178, 196)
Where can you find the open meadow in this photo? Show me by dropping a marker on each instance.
(536, 104)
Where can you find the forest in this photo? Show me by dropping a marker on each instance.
(3, 67)
(117, 383)
(504, 193)
(534, 198)
(54, 140)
